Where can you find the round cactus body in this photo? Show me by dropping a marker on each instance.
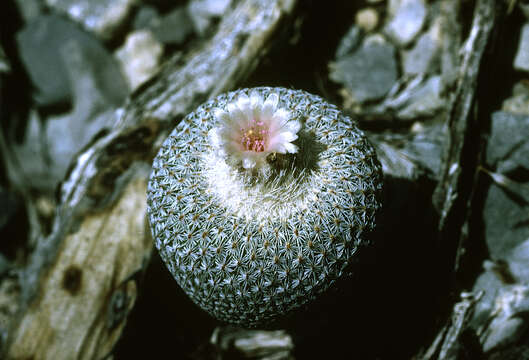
(259, 200)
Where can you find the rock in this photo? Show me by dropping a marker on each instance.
(146, 17)
(407, 20)
(508, 144)
(518, 260)
(139, 57)
(252, 344)
(102, 17)
(202, 12)
(424, 101)
(74, 130)
(507, 323)
(423, 58)
(518, 103)
(394, 162)
(41, 45)
(93, 109)
(409, 158)
(50, 145)
(521, 60)
(367, 19)
(426, 147)
(505, 223)
(505, 217)
(172, 29)
(29, 9)
(32, 155)
(369, 72)
(500, 314)
(349, 42)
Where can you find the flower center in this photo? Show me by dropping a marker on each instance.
(255, 136)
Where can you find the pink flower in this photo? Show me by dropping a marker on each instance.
(250, 129)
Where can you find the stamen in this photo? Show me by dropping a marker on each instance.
(255, 137)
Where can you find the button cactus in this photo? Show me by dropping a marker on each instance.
(259, 199)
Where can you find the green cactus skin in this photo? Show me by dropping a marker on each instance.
(249, 246)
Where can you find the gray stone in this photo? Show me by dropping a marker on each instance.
(521, 60)
(93, 110)
(29, 9)
(139, 57)
(368, 73)
(202, 12)
(423, 58)
(32, 156)
(402, 156)
(505, 216)
(518, 103)
(505, 222)
(146, 17)
(67, 135)
(500, 316)
(424, 101)
(42, 50)
(349, 42)
(101, 17)
(50, 144)
(173, 28)
(518, 260)
(394, 162)
(426, 147)
(508, 323)
(508, 146)
(407, 20)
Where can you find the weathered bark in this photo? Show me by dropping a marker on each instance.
(453, 195)
(453, 192)
(80, 282)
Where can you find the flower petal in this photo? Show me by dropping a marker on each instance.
(237, 117)
(255, 99)
(279, 119)
(243, 103)
(291, 148)
(292, 126)
(279, 147)
(256, 102)
(288, 136)
(221, 115)
(269, 106)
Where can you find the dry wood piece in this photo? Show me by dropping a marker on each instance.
(453, 192)
(230, 342)
(81, 280)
